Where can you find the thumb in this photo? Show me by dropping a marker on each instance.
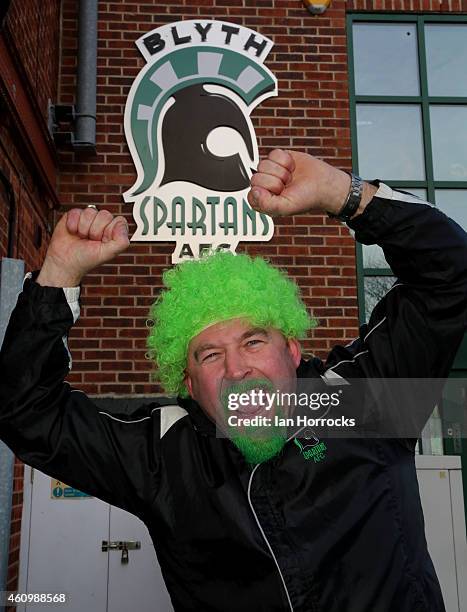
(263, 201)
(120, 234)
(259, 198)
(120, 231)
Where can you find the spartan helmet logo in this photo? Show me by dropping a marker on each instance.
(188, 119)
(194, 124)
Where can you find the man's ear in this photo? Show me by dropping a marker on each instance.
(188, 383)
(295, 350)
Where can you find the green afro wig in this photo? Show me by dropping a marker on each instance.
(218, 287)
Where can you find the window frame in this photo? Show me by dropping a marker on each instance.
(424, 101)
(459, 368)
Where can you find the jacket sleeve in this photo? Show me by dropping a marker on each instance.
(415, 329)
(58, 429)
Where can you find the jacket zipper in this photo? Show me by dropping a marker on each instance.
(265, 538)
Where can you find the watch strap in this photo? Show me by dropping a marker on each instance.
(352, 201)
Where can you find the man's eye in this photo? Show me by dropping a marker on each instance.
(209, 357)
(253, 342)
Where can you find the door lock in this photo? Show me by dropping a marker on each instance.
(122, 545)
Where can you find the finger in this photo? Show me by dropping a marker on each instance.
(116, 230)
(283, 158)
(98, 225)
(72, 220)
(267, 181)
(267, 166)
(85, 221)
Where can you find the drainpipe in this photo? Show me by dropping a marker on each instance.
(85, 126)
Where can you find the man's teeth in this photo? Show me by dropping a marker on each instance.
(256, 405)
(250, 409)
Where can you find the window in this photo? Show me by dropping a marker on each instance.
(408, 108)
(408, 89)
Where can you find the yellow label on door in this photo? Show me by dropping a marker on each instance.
(60, 490)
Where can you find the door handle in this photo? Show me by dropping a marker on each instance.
(122, 545)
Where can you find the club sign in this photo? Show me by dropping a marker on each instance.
(190, 134)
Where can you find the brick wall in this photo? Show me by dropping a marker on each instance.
(34, 26)
(311, 113)
(31, 32)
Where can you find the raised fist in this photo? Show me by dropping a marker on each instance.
(83, 239)
(290, 182)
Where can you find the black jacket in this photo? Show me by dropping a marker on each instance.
(341, 534)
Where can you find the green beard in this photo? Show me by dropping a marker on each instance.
(262, 443)
(259, 450)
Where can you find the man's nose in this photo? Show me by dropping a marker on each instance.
(236, 367)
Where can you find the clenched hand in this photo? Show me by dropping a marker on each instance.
(83, 239)
(290, 182)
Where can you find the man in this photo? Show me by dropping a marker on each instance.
(242, 521)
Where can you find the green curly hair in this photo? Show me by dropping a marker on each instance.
(218, 287)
